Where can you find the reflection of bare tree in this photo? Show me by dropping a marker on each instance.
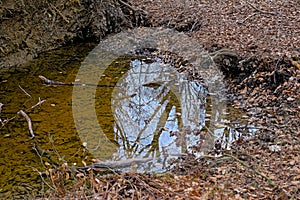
(163, 102)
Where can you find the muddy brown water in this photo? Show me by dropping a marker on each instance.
(144, 109)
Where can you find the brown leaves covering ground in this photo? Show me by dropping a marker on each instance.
(254, 27)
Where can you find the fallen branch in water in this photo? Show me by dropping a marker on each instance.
(23, 114)
(1, 104)
(38, 103)
(50, 82)
(10, 119)
(23, 90)
(116, 164)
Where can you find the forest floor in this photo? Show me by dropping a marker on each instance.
(263, 81)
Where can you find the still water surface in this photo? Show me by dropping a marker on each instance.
(144, 108)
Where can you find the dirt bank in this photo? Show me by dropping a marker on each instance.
(31, 27)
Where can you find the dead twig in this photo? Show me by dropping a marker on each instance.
(259, 10)
(131, 7)
(145, 186)
(276, 69)
(10, 119)
(50, 82)
(116, 164)
(1, 104)
(196, 26)
(23, 114)
(23, 90)
(249, 16)
(39, 103)
(44, 181)
(60, 13)
(209, 131)
(253, 169)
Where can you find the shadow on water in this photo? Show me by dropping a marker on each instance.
(144, 108)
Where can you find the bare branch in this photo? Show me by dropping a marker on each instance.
(38, 103)
(1, 104)
(25, 91)
(23, 114)
(50, 82)
(259, 10)
(249, 167)
(116, 164)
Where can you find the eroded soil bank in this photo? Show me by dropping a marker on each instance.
(31, 27)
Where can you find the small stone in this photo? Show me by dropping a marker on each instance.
(274, 148)
(251, 100)
(292, 163)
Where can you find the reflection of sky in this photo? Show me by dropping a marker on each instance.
(145, 114)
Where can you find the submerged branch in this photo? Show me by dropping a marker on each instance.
(116, 164)
(10, 119)
(38, 103)
(23, 114)
(1, 104)
(50, 82)
(259, 10)
(23, 90)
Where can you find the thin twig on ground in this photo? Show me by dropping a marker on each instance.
(60, 13)
(259, 10)
(253, 169)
